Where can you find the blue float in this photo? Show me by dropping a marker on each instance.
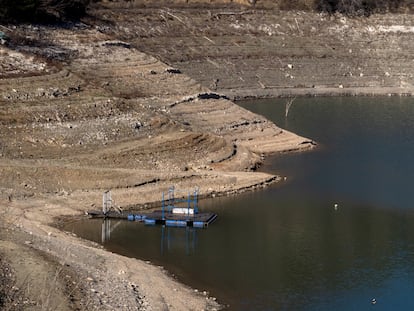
(149, 221)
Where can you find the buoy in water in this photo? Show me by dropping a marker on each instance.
(335, 206)
(373, 301)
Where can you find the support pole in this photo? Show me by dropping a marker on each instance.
(163, 206)
(188, 205)
(106, 202)
(195, 201)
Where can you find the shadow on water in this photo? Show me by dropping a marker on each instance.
(289, 247)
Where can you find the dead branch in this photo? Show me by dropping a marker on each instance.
(288, 105)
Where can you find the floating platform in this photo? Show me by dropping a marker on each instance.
(199, 220)
(172, 214)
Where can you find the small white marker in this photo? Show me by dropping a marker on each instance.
(373, 301)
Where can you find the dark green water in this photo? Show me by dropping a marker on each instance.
(287, 247)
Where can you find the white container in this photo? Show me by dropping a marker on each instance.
(183, 210)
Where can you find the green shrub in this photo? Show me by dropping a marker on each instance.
(358, 7)
(17, 9)
(41, 10)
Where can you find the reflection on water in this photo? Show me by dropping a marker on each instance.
(181, 238)
(108, 225)
(288, 247)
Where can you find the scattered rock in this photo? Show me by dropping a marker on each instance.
(117, 43)
(173, 70)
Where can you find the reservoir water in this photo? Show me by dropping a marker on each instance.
(338, 233)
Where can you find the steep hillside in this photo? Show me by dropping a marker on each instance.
(260, 50)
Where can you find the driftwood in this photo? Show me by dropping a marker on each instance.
(231, 13)
(4, 27)
(174, 16)
(288, 105)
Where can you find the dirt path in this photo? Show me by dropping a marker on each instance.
(110, 103)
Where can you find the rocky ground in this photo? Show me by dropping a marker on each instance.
(135, 98)
(262, 51)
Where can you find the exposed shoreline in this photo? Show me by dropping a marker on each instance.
(106, 114)
(318, 92)
(47, 175)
